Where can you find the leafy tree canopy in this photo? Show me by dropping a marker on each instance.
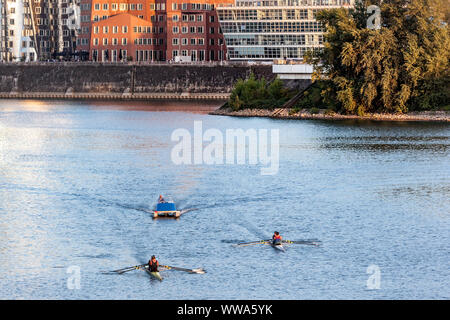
(404, 65)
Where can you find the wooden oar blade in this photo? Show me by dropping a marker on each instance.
(199, 271)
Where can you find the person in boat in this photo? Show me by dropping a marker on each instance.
(161, 199)
(276, 238)
(153, 264)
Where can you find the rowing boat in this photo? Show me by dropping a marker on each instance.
(166, 209)
(278, 246)
(154, 274)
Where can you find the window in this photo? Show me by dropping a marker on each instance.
(200, 29)
(175, 18)
(115, 41)
(199, 18)
(95, 41)
(97, 6)
(124, 29)
(105, 29)
(211, 41)
(115, 29)
(211, 30)
(184, 41)
(114, 6)
(211, 18)
(192, 41)
(105, 6)
(174, 6)
(124, 41)
(175, 41)
(201, 41)
(175, 30)
(184, 29)
(105, 41)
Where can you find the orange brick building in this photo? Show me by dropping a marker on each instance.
(157, 30)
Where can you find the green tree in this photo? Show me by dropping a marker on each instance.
(256, 93)
(403, 65)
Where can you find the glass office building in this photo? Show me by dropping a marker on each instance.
(273, 29)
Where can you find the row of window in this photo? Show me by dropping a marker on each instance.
(120, 6)
(47, 44)
(196, 41)
(114, 41)
(273, 27)
(268, 52)
(153, 6)
(41, 33)
(115, 29)
(194, 6)
(185, 41)
(292, 3)
(153, 18)
(124, 41)
(45, 10)
(45, 22)
(148, 41)
(199, 55)
(263, 14)
(186, 29)
(274, 39)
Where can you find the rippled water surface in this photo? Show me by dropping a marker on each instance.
(77, 180)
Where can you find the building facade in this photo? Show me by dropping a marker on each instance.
(175, 30)
(57, 25)
(273, 29)
(38, 29)
(17, 34)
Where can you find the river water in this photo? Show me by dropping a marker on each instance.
(77, 180)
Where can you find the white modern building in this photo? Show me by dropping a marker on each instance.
(17, 41)
(273, 29)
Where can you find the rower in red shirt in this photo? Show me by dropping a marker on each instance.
(276, 238)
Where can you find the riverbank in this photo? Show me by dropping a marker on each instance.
(305, 114)
(116, 96)
(124, 81)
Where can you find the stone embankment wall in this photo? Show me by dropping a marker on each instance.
(124, 81)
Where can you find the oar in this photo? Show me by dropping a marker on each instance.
(129, 269)
(243, 244)
(310, 242)
(198, 270)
